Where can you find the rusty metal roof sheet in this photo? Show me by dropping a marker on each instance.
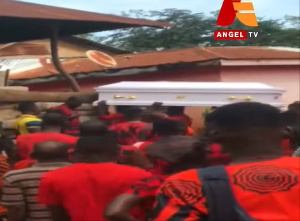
(192, 55)
(23, 49)
(94, 45)
(238, 53)
(20, 21)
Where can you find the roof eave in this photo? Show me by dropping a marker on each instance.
(260, 62)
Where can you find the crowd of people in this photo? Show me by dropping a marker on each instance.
(147, 163)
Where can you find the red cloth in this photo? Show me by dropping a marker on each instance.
(130, 133)
(113, 118)
(23, 164)
(216, 157)
(26, 142)
(72, 126)
(84, 190)
(286, 147)
(183, 118)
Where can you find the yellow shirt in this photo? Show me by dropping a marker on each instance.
(27, 121)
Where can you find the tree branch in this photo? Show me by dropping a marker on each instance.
(55, 60)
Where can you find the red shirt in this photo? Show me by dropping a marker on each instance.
(23, 164)
(266, 190)
(113, 118)
(84, 190)
(147, 189)
(130, 133)
(216, 157)
(72, 125)
(286, 147)
(183, 118)
(26, 142)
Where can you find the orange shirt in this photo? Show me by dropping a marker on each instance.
(26, 142)
(268, 190)
(84, 190)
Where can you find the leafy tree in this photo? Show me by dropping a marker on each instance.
(91, 37)
(197, 29)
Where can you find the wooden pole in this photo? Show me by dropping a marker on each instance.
(55, 60)
(13, 96)
(4, 78)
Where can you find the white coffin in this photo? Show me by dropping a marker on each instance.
(188, 93)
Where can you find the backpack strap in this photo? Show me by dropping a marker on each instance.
(222, 204)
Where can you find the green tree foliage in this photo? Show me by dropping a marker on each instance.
(197, 29)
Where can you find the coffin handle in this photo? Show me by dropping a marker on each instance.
(132, 97)
(248, 98)
(181, 97)
(118, 97)
(234, 98)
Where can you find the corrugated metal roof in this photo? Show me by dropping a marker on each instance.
(20, 21)
(242, 53)
(22, 49)
(286, 49)
(19, 65)
(151, 59)
(13, 54)
(94, 45)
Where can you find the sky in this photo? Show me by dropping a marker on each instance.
(264, 8)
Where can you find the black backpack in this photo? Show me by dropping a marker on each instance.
(221, 202)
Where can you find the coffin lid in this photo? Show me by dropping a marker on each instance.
(164, 86)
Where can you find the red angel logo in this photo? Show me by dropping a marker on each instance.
(231, 9)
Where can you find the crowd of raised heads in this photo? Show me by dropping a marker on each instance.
(148, 163)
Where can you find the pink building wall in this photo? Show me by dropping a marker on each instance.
(285, 77)
(201, 74)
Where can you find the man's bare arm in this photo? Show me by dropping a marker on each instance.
(118, 209)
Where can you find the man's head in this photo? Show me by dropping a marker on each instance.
(166, 128)
(121, 109)
(290, 121)
(180, 152)
(93, 128)
(51, 151)
(73, 102)
(133, 113)
(151, 117)
(28, 108)
(295, 107)
(52, 120)
(97, 149)
(175, 111)
(246, 129)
